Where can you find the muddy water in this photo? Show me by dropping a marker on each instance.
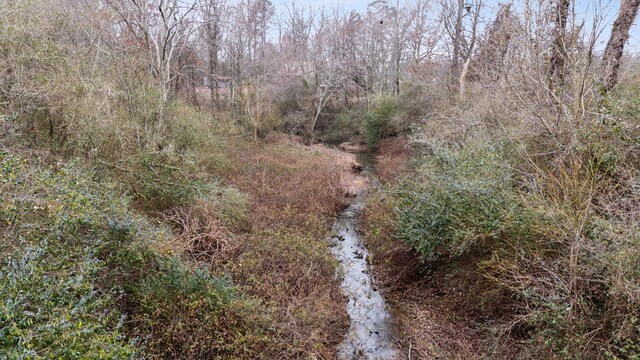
(371, 334)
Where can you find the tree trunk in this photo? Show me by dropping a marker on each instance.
(457, 38)
(615, 46)
(463, 78)
(558, 51)
(213, 72)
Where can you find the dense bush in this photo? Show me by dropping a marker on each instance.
(231, 205)
(462, 199)
(184, 313)
(293, 192)
(375, 122)
(345, 127)
(52, 307)
(52, 230)
(550, 233)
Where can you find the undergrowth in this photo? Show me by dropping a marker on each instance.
(535, 229)
(82, 276)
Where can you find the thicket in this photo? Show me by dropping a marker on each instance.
(357, 124)
(376, 122)
(464, 201)
(528, 205)
(521, 194)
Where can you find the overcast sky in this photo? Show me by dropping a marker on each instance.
(584, 8)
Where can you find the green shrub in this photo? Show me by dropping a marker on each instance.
(375, 122)
(231, 203)
(158, 180)
(201, 135)
(184, 313)
(461, 199)
(51, 304)
(345, 127)
(51, 307)
(413, 104)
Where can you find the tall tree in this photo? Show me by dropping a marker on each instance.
(460, 20)
(164, 28)
(212, 11)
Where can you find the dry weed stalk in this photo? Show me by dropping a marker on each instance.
(201, 234)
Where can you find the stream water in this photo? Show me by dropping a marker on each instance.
(371, 333)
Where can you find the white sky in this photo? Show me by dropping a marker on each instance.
(584, 9)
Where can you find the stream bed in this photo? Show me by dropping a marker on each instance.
(371, 334)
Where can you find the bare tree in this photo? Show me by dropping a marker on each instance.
(424, 32)
(296, 29)
(164, 28)
(245, 42)
(461, 33)
(212, 12)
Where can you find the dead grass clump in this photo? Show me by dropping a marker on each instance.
(292, 193)
(200, 232)
(281, 176)
(292, 271)
(393, 155)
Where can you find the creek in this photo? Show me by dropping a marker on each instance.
(371, 333)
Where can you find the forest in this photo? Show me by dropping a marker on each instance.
(256, 179)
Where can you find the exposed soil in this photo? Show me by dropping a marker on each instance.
(433, 327)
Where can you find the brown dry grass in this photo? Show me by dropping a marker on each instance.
(200, 233)
(284, 261)
(282, 258)
(393, 155)
(286, 175)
